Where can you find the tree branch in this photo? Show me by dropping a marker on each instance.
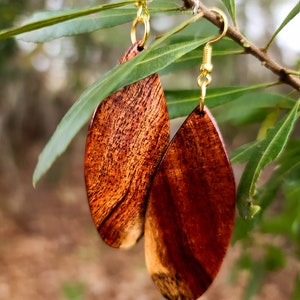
(233, 33)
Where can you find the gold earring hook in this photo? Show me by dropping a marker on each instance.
(143, 17)
(224, 20)
(206, 67)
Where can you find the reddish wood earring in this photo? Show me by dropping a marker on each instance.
(191, 210)
(127, 137)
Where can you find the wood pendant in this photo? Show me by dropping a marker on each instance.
(191, 210)
(126, 140)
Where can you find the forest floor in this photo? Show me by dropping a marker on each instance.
(50, 249)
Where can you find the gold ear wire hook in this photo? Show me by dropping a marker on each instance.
(206, 67)
(224, 20)
(142, 17)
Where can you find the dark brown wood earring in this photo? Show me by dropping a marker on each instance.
(127, 137)
(191, 210)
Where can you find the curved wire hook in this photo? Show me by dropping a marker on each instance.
(143, 17)
(206, 67)
(225, 25)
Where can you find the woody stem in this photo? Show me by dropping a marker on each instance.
(283, 73)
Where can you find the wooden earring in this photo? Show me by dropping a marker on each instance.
(191, 208)
(190, 212)
(128, 134)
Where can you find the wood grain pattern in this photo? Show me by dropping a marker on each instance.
(191, 210)
(127, 137)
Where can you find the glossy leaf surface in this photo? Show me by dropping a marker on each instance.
(103, 17)
(55, 18)
(292, 14)
(266, 151)
(230, 5)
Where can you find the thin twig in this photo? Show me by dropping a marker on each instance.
(284, 74)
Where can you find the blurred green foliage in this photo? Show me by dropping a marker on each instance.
(73, 290)
(271, 148)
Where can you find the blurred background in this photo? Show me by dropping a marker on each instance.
(49, 248)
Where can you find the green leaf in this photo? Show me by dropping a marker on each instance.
(103, 19)
(224, 47)
(242, 228)
(181, 102)
(58, 18)
(267, 151)
(288, 164)
(230, 5)
(274, 258)
(287, 220)
(193, 58)
(138, 67)
(251, 107)
(296, 292)
(285, 223)
(88, 23)
(295, 10)
(74, 290)
(268, 122)
(164, 56)
(243, 153)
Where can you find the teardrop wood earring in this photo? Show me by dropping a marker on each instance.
(191, 209)
(127, 136)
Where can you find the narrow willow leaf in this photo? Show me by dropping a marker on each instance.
(268, 123)
(287, 221)
(242, 229)
(292, 191)
(58, 18)
(181, 102)
(243, 153)
(288, 163)
(222, 48)
(103, 19)
(82, 109)
(193, 58)
(291, 155)
(230, 5)
(246, 108)
(267, 151)
(162, 57)
(295, 10)
(88, 23)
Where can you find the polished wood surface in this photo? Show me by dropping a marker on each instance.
(127, 137)
(191, 210)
